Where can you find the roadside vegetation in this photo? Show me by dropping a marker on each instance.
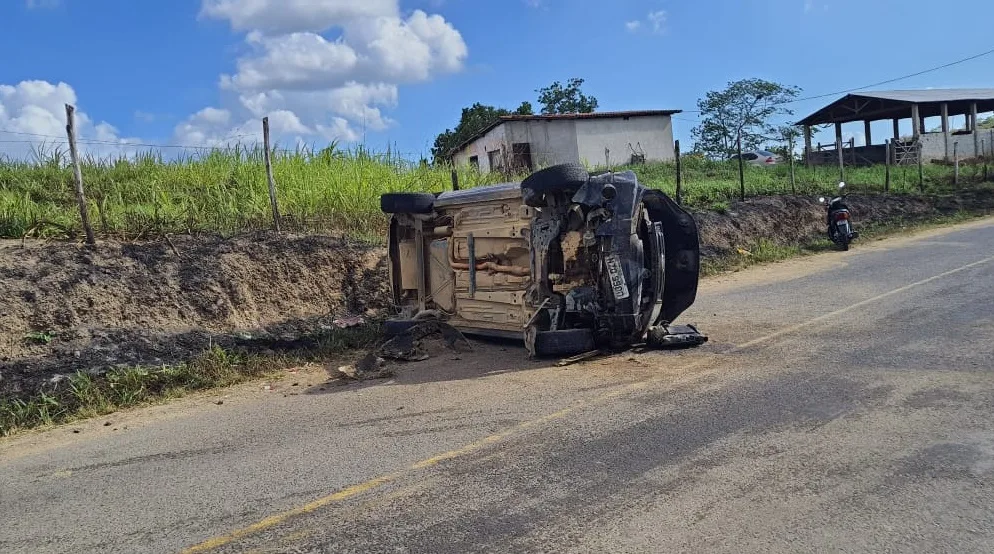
(225, 191)
(83, 395)
(766, 251)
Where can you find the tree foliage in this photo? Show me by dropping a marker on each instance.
(749, 107)
(473, 119)
(554, 98)
(557, 99)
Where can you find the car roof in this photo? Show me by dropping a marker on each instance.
(503, 191)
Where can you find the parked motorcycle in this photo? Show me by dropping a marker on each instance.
(840, 229)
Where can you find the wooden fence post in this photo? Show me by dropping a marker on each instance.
(679, 178)
(956, 163)
(790, 158)
(842, 161)
(78, 171)
(887, 147)
(269, 176)
(455, 180)
(921, 168)
(742, 179)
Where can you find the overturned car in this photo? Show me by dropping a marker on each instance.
(569, 262)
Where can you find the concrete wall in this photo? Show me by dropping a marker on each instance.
(559, 141)
(494, 140)
(551, 141)
(654, 134)
(933, 145)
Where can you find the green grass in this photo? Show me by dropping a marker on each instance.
(222, 191)
(82, 395)
(226, 191)
(710, 184)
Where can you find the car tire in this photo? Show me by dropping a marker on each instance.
(552, 180)
(564, 343)
(407, 202)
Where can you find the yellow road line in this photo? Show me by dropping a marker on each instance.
(829, 315)
(366, 486)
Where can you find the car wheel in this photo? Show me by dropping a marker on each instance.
(407, 202)
(563, 343)
(551, 180)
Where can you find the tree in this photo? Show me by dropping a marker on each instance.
(747, 107)
(986, 123)
(473, 119)
(556, 98)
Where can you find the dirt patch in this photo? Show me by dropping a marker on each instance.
(68, 308)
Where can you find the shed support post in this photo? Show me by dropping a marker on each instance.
(897, 129)
(807, 146)
(976, 132)
(916, 122)
(945, 129)
(866, 131)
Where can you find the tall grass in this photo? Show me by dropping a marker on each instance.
(222, 190)
(225, 190)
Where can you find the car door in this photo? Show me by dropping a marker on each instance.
(682, 256)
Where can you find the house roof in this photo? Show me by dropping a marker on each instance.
(896, 104)
(564, 116)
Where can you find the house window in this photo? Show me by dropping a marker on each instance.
(495, 160)
(521, 156)
(474, 162)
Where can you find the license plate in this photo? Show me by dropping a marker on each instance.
(617, 277)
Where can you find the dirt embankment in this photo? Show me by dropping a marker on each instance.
(65, 308)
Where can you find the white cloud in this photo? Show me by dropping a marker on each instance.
(214, 127)
(374, 49)
(655, 20)
(33, 113)
(295, 61)
(287, 16)
(336, 83)
(658, 21)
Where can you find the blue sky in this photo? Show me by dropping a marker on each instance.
(201, 72)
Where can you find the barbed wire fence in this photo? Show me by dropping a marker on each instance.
(692, 178)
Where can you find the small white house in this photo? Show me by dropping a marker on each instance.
(528, 142)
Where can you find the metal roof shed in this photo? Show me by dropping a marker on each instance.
(903, 104)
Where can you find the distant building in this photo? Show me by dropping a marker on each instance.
(528, 142)
(941, 105)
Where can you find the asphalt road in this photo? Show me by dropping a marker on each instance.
(844, 403)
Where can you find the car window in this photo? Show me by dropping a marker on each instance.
(750, 156)
(766, 153)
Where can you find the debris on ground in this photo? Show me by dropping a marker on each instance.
(368, 367)
(423, 341)
(578, 358)
(671, 336)
(351, 321)
(417, 343)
